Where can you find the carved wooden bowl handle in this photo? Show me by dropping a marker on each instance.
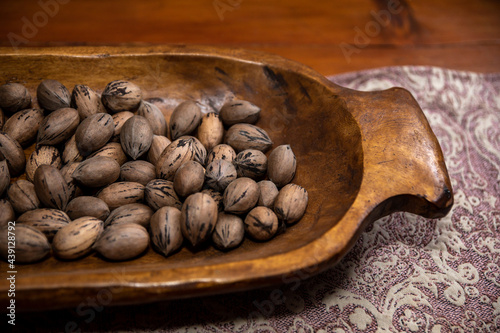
(403, 165)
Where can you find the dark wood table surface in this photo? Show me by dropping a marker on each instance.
(332, 36)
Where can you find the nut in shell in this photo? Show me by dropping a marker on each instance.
(51, 187)
(43, 155)
(261, 223)
(217, 196)
(113, 150)
(47, 220)
(282, 165)
(58, 126)
(229, 231)
(131, 213)
(241, 196)
(291, 203)
(23, 126)
(198, 218)
(185, 119)
(221, 152)
(67, 173)
(199, 151)
(31, 245)
(122, 241)
(94, 132)
(22, 196)
(210, 130)
(97, 171)
(121, 95)
(87, 206)
(268, 193)
(189, 178)
(160, 193)
(119, 119)
(70, 152)
(158, 145)
(220, 173)
(4, 177)
(138, 171)
(176, 154)
(121, 193)
(53, 95)
(13, 153)
(165, 230)
(239, 111)
(154, 116)
(136, 136)
(76, 239)
(14, 97)
(86, 101)
(247, 136)
(251, 163)
(7, 213)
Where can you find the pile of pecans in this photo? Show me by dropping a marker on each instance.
(104, 175)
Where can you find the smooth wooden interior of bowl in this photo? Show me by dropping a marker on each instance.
(296, 110)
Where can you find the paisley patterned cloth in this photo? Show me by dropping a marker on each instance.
(411, 274)
(406, 273)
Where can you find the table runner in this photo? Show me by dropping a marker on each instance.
(405, 274)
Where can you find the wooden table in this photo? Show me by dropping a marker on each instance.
(330, 36)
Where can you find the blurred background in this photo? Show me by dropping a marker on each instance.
(331, 36)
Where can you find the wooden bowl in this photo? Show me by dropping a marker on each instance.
(361, 156)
